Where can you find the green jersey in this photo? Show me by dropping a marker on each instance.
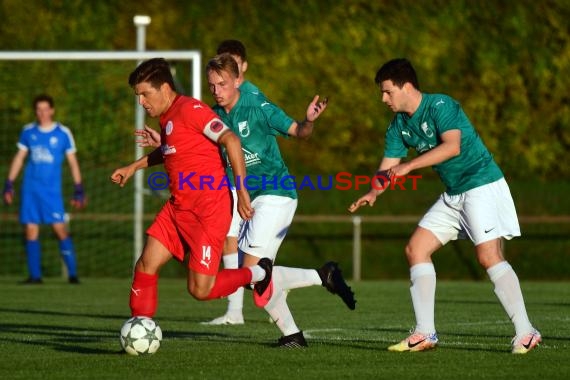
(437, 113)
(247, 86)
(258, 122)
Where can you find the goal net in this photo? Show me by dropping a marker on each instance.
(92, 98)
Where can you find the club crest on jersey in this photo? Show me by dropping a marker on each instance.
(427, 130)
(169, 127)
(243, 128)
(53, 141)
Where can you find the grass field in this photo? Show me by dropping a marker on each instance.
(60, 331)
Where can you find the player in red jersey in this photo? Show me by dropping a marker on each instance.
(197, 216)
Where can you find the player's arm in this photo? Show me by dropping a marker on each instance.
(79, 200)
(121, 176)
(378, 185)
(304, 129)
(450, 147)
(232, 145)
(15, 167)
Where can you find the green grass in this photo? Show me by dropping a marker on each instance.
(57, 331)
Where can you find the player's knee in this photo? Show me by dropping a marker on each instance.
(412, 253)
(198, 292)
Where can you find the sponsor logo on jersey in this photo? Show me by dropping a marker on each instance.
(406, 133)
(41, 154)
(169, 127)
(250, 157)
(243, 128)
(167, 149)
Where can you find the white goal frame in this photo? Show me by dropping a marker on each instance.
(194, 56)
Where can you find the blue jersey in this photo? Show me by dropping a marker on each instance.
(47, 148)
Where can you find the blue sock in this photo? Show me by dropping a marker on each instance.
(33, 252)
(68, 255)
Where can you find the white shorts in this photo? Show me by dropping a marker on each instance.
(481, 214)
(236, 219)
(262, 235)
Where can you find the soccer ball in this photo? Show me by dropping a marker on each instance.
(140, 336)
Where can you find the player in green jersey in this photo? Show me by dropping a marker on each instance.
(477, 203)
(258, 122)
(234, 312)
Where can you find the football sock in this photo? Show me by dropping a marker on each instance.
(508, 290)
(144, 295)
(33, 253)
(68, 255)
(423, 281)
(279, 312)
(293, 278)
(235, 300)
(229, 280)
(257, 273)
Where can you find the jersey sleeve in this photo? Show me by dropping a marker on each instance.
(279, 122)
(214, 129)
(204, 120)
(394, 145)
(447, 114)
(69, 143)
(24, 140)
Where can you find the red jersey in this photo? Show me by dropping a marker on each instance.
(192, 157)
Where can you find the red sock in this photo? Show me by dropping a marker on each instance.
(144, 295)
(228, 281)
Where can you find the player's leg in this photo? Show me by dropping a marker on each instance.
(67, 251)
(30, 218)
(491, 215)
(144, 290)
(420, 247)
(33, 253)
(205, 234)
(437, 227)
(230, 258)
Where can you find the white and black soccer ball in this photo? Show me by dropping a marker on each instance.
(140, 336)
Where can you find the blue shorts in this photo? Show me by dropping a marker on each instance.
(41, 207)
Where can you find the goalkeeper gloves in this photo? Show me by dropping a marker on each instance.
(79, 200)
(8, 192)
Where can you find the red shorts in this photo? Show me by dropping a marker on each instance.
(201, 230)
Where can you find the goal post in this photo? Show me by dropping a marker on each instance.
(194, 56)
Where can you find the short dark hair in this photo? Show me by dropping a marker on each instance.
(223, 62)
(156, 71)
(43, 98)
(234, 47)
(399, 71)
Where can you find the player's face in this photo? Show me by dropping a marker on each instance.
(44, 113)
(393, 96)
(154, 100)
(224, 88)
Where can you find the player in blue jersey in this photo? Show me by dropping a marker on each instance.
(234, 313)
(47, 143)
(476, 204)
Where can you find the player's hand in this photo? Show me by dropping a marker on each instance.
(316, 108)
(122, 175)
(8, 192)
(79, 200)
(148, 137)
(367, 199)
(244, 206)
